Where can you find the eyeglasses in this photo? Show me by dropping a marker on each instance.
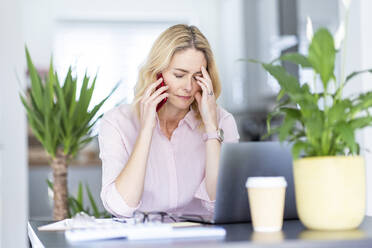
(153, 217)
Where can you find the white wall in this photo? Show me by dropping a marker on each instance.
(232, 40)
(41, 15)
(247, 30)
(13, 167)
(359, 57)
(366, 41)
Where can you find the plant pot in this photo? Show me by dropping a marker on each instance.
(330, 192)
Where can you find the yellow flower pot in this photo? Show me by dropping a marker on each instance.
(330, 192)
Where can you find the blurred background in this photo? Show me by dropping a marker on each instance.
(112, 38)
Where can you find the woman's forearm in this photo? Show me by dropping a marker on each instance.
(130, 182)
(213, 148)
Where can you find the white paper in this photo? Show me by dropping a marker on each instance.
(148, 231)
(68, 224)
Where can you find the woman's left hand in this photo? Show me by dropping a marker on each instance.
(207, 101)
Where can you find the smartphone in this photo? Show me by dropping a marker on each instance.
(160, 85)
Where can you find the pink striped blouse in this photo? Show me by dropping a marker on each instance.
(175, 172)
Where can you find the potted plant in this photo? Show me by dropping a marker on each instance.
(329, 174)
(62, 123)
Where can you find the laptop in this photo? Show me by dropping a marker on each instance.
(239, 161)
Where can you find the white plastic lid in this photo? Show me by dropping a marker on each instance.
(265, 182)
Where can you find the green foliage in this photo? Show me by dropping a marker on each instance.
(318, 123)
(76, 204)
(57, 117)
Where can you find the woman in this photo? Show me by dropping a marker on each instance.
(167, 160)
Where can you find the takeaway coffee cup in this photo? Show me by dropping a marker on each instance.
(266, 200)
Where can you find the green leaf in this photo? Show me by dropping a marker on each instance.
(298, 147)
(346, 133)
(349, 77)
(361, 122)
(251, 60)
(80, 194)
(92, 202)
(68, 211)
(280, 95)
(338, 112)
(105, 214)
(355, 73)
(72, 206)
(33, 115)
(268, 120)
(68, 83)
(50, 184)
(286, 128)
(49, 85)
(292, 112)
(78, 206)
(287, 82)
(322, 55)
(362, 103)
(314, 127)
(85, 141)
(84, 98)
(295, 58)
(297, 135)
(37, 88)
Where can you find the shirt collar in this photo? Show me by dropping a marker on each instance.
(190, 119)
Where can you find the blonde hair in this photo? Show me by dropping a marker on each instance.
(176, 38)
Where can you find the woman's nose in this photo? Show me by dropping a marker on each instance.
(188, 85)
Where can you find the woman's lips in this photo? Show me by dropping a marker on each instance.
(185, 97)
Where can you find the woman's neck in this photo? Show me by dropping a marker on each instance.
(170, 117)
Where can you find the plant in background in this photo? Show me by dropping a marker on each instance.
(61, 121)
(320, 122)
(76, 204)
(330, 181)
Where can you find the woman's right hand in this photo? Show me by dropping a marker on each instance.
(150, 99)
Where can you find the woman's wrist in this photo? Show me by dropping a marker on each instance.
(146, 132)
(210, 128)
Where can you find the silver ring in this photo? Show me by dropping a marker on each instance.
(210, 93)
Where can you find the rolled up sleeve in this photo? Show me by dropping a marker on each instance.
(228, 125)
(201, 193)
(231, 135)
(114, 156)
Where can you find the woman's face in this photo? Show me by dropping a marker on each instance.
(180, 77)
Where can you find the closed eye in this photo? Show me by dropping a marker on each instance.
(181, 76)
